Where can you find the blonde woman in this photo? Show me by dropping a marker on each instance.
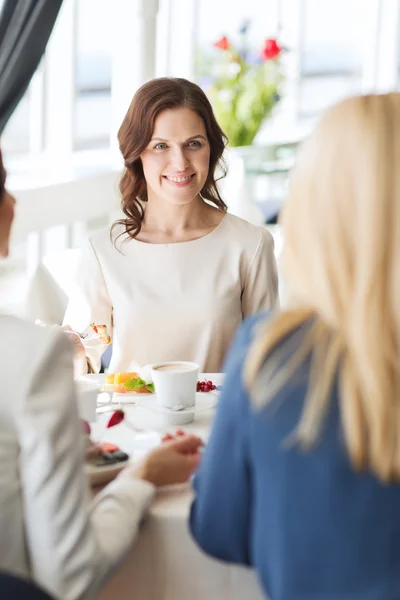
(301, 475)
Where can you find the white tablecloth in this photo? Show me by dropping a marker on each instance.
(165, 563)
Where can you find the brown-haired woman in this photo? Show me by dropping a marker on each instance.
(178, 274)
(50, 532)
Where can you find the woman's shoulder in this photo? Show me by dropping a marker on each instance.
(28, 351)
(23, 344)
(247, 234)
(15, 328)
(107, 236)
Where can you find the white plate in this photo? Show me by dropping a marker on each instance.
(104, 474)
(99, 378)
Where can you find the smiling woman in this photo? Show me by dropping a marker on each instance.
(171, 163)
(7, 203)
(175, 277)
(169, 134)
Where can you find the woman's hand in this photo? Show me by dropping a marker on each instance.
(77, 345)
(172, 462)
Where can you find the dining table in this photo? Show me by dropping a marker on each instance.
(165, 563)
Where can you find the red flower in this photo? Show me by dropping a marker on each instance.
(223, 43)
(116, 418)
(271, 49)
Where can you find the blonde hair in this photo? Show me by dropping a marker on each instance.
(341, 266)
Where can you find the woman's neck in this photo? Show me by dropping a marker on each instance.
(174, 218)
(164, 222)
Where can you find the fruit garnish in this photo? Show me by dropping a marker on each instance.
(205, 386)
(109, 379)
(168, 437)
(116, 418)
(136, 383)
(120, 378)
(108, 447)
(102, 332)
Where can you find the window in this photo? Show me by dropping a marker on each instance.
(15, 138)
(91, 71)
(226, 17)
(93, 66)
(398, 57)
(332, 35)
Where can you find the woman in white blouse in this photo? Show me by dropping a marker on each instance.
(174, 279)
(49, 532)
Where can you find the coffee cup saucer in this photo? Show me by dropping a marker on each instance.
(204, 401)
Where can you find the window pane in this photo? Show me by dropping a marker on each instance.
(93, 74)
(320, 91)
(398, 58)
(15, 138)
(226, 17)
(331, 64)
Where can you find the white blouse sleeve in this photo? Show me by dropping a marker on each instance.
(261, 285)
(72, 545)
(90, 303)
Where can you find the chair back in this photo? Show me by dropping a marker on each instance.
(14, 588)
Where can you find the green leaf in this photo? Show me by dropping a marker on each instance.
(137, 383)
(134, 383)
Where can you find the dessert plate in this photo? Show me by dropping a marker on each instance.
(105, 395)
(104, 474)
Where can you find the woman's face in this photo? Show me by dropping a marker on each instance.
(7, 203)
(176, 161)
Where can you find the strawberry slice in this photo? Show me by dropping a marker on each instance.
(108, 447)
(93, 326)
(116, 418)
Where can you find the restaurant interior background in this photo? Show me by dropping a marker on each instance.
(60, 145)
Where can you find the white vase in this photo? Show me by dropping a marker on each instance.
(236, 187)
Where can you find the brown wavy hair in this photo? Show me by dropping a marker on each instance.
(2, 178)
(135, 134)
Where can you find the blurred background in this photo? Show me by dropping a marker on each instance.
(299, 56)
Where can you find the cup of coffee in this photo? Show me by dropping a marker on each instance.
(175, 384)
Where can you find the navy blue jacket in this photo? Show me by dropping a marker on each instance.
(312, 527)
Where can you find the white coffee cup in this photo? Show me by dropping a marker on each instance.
(175, 384)
(86, 393)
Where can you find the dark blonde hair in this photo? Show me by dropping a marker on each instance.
(135, 134)
(341, 265)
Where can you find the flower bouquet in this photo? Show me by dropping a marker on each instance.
(243, 85)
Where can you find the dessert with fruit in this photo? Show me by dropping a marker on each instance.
(123, 383)
(101, 454)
